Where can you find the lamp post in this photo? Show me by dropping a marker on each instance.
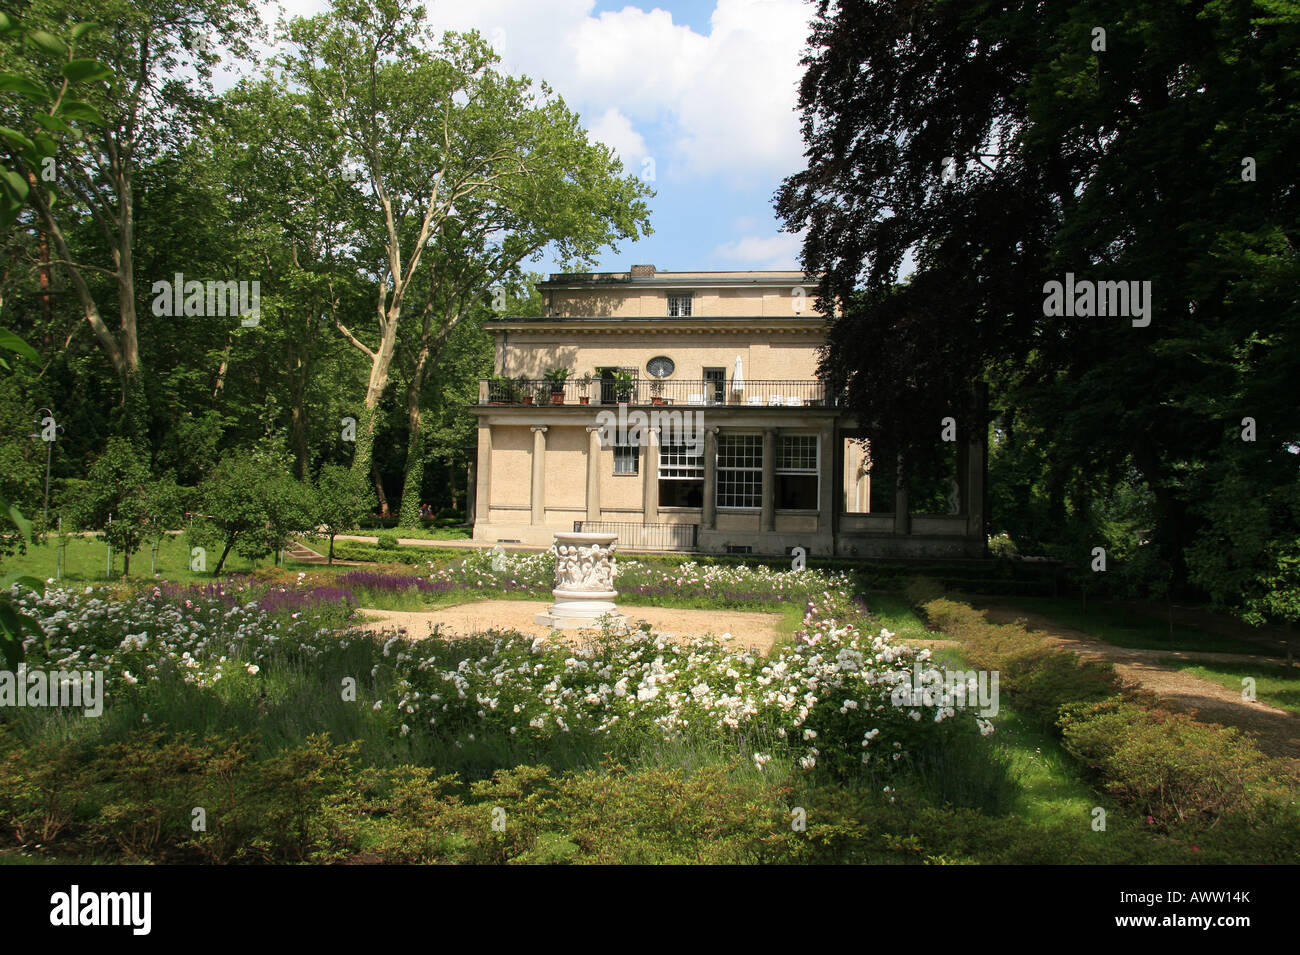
(49, 432)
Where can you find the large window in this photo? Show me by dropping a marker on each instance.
(681, 476)
(796, 472)
(740, 470)
(679, 306)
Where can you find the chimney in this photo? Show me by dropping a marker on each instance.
(643, 271)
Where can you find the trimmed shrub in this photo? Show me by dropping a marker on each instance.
(1167, 765)
(1038, 677)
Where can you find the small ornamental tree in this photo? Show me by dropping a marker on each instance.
(342, 499)
(115, 499)
(252, 505)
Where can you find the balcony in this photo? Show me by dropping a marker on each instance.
(806, 393)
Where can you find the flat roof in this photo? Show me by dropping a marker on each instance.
(811, 318)
(577, 280)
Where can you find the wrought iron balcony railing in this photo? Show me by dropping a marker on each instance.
(792, 393)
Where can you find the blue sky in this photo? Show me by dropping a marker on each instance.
(698, 94)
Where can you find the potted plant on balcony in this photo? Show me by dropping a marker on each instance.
(556, 378)
(584, 389)
(656, 391)
(500, 390)
(623, 384)
(521, 391)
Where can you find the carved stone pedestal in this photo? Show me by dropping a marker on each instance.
(584, 582)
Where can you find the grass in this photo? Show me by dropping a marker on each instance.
(1124, 627)
(1275, 684)
(892, 612)
(86, 560)
(417, 533)
(1031, 800)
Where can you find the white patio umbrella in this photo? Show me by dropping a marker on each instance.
(738, 377)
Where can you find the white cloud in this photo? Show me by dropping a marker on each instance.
(721, 104)
(615, 130)
(779, 251)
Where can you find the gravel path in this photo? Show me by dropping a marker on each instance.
(756, 631)
(1276, 730)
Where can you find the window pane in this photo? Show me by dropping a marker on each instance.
(796, 492)
(681, 493)
(740, 451)
(740, 470)
(627, 459)
(797, 452)
(681, 462)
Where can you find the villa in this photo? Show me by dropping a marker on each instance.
(682, 411)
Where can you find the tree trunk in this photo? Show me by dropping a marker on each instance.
(413, 480)
(379, 489)
(381, 362)
(230, 542)
(44, 257)
(298, 371)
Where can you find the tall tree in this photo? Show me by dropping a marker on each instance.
(453, 155)
(150, 43)
(1003, 146)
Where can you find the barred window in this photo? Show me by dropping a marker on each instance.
(797, 473)
(681, 475)
(740, 470)
(679, 306)
(627, 459)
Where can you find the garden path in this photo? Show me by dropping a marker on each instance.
(757, 631)
(1276, 730)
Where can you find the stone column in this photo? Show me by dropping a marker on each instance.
(902, 514)
(709, 509)
(767, 518)
(483, 475)
(974, 481)
(538, 500)
(650, 478)
(827, 459)
(471, 494)
(593, 474)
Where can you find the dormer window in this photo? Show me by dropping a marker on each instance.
(679, 306)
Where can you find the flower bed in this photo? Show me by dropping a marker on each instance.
(824, 699)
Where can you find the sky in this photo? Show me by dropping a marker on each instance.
(697, 97)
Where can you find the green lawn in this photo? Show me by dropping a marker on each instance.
(892, 612)
(1275, 684)
(1124, 627)
(418, 533)
(86, 560)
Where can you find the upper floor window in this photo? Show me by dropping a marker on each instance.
(679, 306)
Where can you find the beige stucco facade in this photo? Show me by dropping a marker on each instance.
(724, 442)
